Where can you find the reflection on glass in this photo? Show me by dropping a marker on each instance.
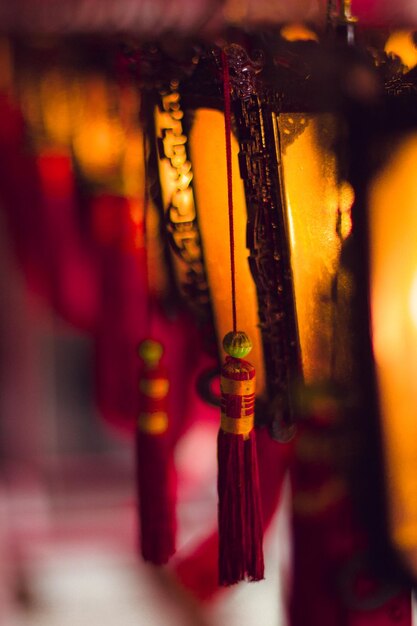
(318, 220)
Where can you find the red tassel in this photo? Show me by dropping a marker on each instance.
(240, 519)
(155, 468)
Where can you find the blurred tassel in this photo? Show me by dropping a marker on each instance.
(155, 468)
(240, 519)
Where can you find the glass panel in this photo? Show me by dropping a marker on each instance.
(208, 154)
(318, 219)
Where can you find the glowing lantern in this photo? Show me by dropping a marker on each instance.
(300, 200)
(382, 265)
(394, 306)
(294, 196)
(401, 44)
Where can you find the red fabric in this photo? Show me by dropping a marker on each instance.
(38, 196)
(124, 321)
(332, 584)
(21, 200)
(156, 478)
(73, 266)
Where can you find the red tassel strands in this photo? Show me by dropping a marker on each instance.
(155, 470)
(240, 519)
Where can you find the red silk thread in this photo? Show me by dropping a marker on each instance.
(228, 133)
(149, 303)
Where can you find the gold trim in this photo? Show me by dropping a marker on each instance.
(237, 387)
(156, 388)
(153, 423)
(237, 426)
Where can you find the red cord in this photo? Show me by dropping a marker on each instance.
(228, 132)
(149, 299)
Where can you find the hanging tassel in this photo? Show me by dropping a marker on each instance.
(155, 469)
(240, 519)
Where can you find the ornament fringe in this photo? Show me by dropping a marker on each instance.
(240, 518)
(156, 479)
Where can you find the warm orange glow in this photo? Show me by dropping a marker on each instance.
(175, 169)
(314, 200)
(98, 145)
(58, 107)
(346, 199)
(393, 221)
(132, 166)
(175, 173)
(95, 119)
(208, 155)
(401, 43)
(158, 277)
(413, 300)
(298, 32)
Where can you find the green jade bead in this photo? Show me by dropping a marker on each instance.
(151, 352)
(237, 344)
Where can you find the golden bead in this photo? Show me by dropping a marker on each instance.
(151, 352)
(237, 344)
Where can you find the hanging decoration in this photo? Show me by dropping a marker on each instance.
(310, 114)
(240, 518)
(154, 459)
(155, 472)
